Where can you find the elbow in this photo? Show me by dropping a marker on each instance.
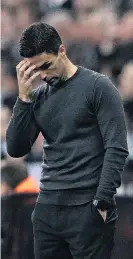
(16, 147)
(15, 153)
(16, 150)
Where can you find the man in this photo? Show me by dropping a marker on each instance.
(80, 115)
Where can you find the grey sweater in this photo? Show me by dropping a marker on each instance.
(85, 142)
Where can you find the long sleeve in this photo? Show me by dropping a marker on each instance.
(110, 117)
(22, 130)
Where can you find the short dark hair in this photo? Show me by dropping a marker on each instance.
(38, 38)
(13, 174)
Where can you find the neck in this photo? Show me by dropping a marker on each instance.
(70, 69)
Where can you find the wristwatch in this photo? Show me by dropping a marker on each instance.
(102, 204)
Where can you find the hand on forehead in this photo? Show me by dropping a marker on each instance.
(41, 59)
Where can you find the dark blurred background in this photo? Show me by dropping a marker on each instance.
(98, 34)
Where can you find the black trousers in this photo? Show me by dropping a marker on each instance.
(72, 232)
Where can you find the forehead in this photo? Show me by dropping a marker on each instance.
(40, 59)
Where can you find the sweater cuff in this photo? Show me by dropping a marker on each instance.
(22, 105)
(106, 196)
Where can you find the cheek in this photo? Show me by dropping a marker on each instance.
(58, 66)
(54, 71)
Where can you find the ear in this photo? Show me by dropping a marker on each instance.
(62, 50)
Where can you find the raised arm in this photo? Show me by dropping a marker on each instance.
(22, 129)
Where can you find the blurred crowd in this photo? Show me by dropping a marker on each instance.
(98, 34)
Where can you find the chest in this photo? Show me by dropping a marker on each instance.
(64, 109)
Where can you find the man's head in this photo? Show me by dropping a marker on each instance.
(42, 46)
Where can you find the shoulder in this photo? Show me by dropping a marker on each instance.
(98, 85)
(90, 75)
(104, 84)
(106, 93)
(97, 81)
(89, 80)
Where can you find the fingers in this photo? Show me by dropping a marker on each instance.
(24, 72)
(28, 72)
(20, 64)
(29, 81)
(22, 69)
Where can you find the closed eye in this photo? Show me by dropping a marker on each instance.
(45, 66)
